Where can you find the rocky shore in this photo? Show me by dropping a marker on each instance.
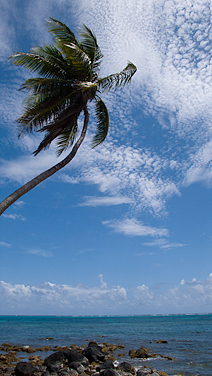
(91, 360)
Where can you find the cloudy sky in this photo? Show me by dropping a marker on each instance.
(126, 228)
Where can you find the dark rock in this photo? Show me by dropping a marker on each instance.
(45, 373)
(54, 358)
(107, 364)
(73, 372)
(64, 371)
(162, 341)
(54, 368)
(109, 372)
(72, 355)
(126, 367)
(143, 372)
(8, 371)
(42, 368)
(77, 366)
(94, 353)
(24, 369)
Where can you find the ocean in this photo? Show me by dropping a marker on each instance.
(189, 337)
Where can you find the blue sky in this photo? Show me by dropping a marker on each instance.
(125, 228)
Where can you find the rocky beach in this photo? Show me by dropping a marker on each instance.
(88, 360)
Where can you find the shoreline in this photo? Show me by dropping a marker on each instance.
(12, 355)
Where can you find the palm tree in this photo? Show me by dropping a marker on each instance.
(68, 79)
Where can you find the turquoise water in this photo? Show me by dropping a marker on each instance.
(189, 337)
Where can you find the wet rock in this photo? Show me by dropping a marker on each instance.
(8, 371)
(93, 353)
(36, 360)
(8, 359)
(106, 365)
(28, 349)
(66, 372)
(108, 347)
(109, 372)
(73, 372)
(24, 369)
(162, 341)
(140, 353)
(54, 358)
(77, 366)
(126, 367)
(72, 355)
(45, 373)
(143, 372)
(54, 368)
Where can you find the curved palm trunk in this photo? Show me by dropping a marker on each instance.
(46, 174)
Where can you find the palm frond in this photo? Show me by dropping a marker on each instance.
(80, 61)
(57, 128)
(62, 34)
(102, 117)
(43, 109)
(47, 61)
(66, 138)
(114, 81)
(90, 46)
(49, 86)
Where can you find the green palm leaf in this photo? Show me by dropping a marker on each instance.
(41, 109)
(47, 85)
(66, 138)
(80, 61)
(62, 34)
(47, 61)
(90, 46)
(102, 117)
(114, 81)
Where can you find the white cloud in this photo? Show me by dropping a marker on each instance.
(3, 244)
(103, 284)
(19, 204)
(201, 166)
(14, 216)
(130, 175)
(164, 244)
(63, 297)
(105, 201)
(125, 172)
(132, 227)
(40, 252)
(188, 297)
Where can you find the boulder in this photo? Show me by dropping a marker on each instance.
(45, 373)
(67, 372)
(24, 369)
(56, 357)
(53, 361)
(54, 368)
(77, 366)
(126, 367)
(72, 355)
(106, 365)
(109, 372)
(93, 353)
(143, 372)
